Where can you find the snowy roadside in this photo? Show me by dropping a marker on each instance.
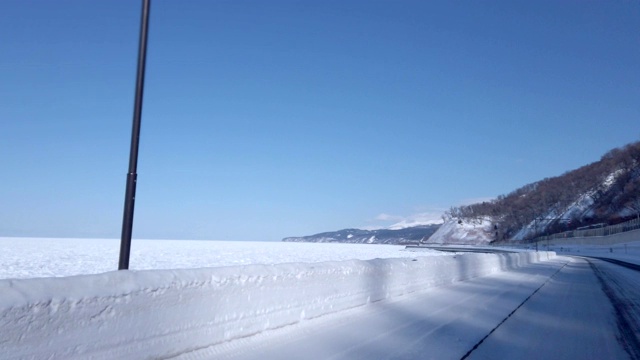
(162, 313)
(549, 310)
(628, 252)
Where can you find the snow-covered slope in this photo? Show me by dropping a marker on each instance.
(603, 192)
(471, 232)
(581, 208)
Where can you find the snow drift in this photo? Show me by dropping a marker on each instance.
(163, 313)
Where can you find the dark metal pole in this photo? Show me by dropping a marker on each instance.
(535, 231)
(132, 175)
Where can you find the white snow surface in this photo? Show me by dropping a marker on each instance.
(47, 257)
(165, 313)
(558, 312)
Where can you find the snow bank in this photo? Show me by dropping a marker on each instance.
(162, 313)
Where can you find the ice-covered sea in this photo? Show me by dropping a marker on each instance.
(47, 257)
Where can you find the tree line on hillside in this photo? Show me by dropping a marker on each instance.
(612, 184)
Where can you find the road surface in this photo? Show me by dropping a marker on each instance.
(566, 308)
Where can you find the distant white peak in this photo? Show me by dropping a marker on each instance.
(407, 224)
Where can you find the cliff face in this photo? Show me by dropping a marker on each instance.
(383, 236)
(474, 232)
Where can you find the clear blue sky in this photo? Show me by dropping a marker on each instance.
(266, 119)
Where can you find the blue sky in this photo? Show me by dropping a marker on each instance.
(266, 119)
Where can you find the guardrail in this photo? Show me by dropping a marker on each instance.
(603, 231)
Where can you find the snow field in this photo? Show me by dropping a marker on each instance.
(23, 258)
(163, 313)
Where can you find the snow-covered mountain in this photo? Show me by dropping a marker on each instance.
(382, 236)
(605, 192)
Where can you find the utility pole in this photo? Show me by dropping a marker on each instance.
(535, 228)
(132, 175)
(535, 231)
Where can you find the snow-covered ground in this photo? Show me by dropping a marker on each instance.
(46, 257)
(165, 313)
(227, 293)
(550, 310)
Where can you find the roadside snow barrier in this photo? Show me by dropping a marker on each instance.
(614, 239)
(163, 313)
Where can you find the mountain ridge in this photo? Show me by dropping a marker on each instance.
(605, 192)
(414, 234)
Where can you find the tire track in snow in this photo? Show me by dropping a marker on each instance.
(626, 307)
(511, 313)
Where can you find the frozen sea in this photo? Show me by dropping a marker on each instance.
(53, 257)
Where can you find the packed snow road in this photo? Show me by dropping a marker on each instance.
(566, 308)
(620, 281)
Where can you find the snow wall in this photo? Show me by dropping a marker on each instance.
(163, 313)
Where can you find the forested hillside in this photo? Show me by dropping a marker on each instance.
(606, 191)
(381, 236)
